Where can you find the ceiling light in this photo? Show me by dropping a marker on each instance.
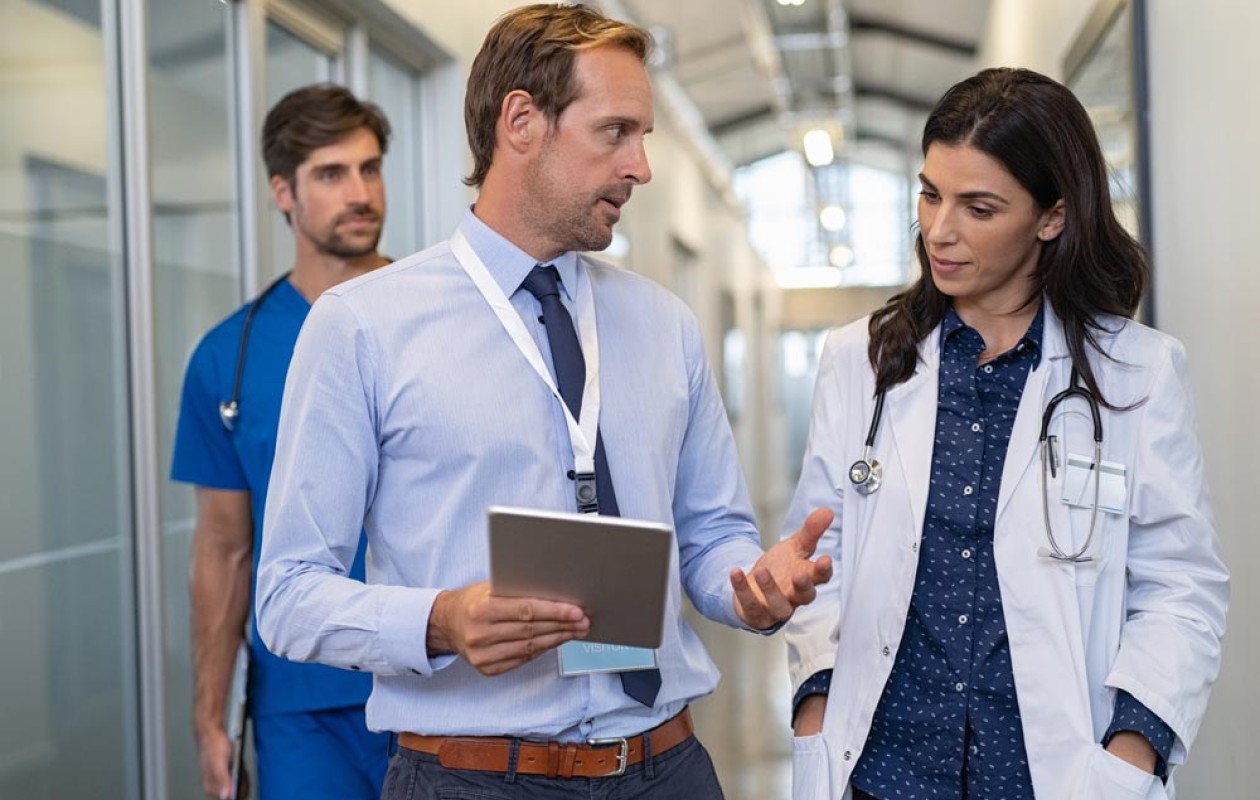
(832, 218)
(818, 149)
(807, 277)
(841, 256)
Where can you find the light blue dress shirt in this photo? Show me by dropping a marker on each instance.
(408, 410)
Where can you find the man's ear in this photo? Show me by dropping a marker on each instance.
(1052, 221)
(521, 122)
(282, 191)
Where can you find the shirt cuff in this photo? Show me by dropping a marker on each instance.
(1131, 715)
(403, 631)
(818, 683)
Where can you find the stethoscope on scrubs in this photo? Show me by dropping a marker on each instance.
(867, 474)
(230, 410)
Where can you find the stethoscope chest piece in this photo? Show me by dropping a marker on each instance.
(229, 412)
(866, 475)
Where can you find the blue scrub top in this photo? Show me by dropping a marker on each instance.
(206, 454)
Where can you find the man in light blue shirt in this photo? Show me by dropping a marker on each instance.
(425, 392)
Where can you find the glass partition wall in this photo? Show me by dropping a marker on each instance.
(91, 366)
(197, 281)
(67, 638)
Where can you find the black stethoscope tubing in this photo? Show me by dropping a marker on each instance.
(230, 410)
(866, 474)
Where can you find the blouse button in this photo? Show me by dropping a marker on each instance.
(967, 490)
(975, 427)
(988, 368)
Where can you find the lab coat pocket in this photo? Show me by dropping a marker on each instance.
(811, 774)
(1108, 777)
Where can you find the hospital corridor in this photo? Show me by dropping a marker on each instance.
(917, 331)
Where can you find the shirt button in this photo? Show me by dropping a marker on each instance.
(988, 368)
(967, 490)
(959, 687)
(975, 427)
(962, 619)
(354, 667)
(848, 755)
(966, 554)
(914, 547)
(887, 651)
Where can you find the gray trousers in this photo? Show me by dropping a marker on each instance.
(684, 771)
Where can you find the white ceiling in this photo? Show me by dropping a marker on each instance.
(759, 71)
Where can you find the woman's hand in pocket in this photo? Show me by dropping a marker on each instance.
(809, 716)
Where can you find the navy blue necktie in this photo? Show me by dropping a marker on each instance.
(566, 356)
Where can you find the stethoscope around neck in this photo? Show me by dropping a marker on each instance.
(230, 410)
(867, 474)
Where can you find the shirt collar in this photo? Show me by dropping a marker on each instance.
(951, 323)
(509, 264)
(1034, 335)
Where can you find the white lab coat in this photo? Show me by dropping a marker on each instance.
(1078, 632)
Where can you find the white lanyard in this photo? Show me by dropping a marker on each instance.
(581, 436)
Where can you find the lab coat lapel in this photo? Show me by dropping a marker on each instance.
(1024, 447)
(910, 413)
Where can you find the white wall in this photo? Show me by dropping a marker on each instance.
(1204, 176)
(1035, 35)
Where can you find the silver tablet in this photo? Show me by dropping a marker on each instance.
(616, 569)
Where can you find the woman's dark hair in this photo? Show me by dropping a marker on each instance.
(1042, 135)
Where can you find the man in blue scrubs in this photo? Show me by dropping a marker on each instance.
(323, 150)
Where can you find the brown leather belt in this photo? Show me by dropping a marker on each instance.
(598, 758)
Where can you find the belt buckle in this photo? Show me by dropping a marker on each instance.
(622, 756)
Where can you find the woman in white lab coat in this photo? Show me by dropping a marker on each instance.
(1014, 613)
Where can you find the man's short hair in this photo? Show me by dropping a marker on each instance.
(533, 48)
(312, 117)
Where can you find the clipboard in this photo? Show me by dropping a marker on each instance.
(238, 699)
(616, 569)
